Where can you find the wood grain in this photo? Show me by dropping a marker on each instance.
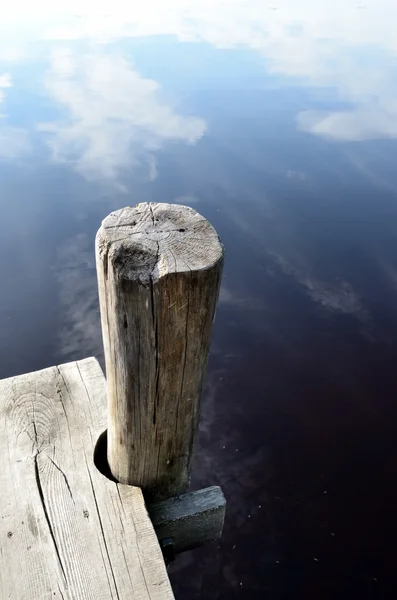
(66, 531)
(191, 520)
(159, 268)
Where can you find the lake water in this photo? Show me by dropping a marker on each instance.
(278, 122)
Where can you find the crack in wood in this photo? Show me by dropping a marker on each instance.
(46, 515)
(156, 350)
(156, 332)
(64, 476)
(102, 531)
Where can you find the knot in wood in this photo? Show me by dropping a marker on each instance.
(146, 242)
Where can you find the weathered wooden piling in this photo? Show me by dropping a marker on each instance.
(70, 527)
(159, 269)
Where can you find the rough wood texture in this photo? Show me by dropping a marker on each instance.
(191, 520)
(66, 531)
(159, 269)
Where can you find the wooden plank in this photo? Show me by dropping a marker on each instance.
(159, 268)
(66, 531)
(191, 520)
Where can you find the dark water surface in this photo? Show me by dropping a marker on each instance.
(277, 121)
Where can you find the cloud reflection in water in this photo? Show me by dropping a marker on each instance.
(114, 118)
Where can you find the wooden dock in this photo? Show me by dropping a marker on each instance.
(94, 471)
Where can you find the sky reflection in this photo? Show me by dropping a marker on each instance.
(346, 48)
(275, 120)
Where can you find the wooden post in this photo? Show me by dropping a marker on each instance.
(159, 269)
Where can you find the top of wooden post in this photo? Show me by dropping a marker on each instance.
(161, 239)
